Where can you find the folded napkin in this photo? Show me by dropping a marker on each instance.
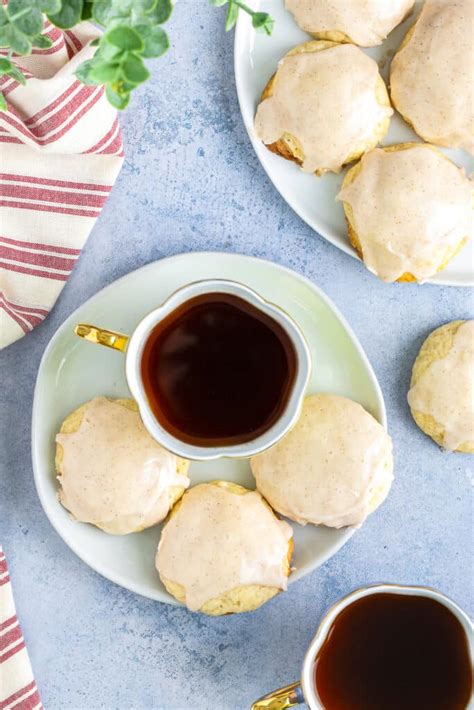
(60, 153)
(17, 686)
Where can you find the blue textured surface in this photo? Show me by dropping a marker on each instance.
(191, 182)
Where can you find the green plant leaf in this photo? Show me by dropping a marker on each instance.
(231, 17)
(49, 6)
(42, 42)
(103, 72)
(126, 87)
(17, 74)
(3, 103)
(87, 10)
(108, 51)
(145, 5)
(161, 13)
(16, 40)
(69, 14)
(83, 72)
(25, 17)
(10, 69)
(124, 7)
(134, 70)
(124, 38)
(4, 35)
(155, 39)
(117, 100)
(217, 3)
(262, 22)
(104, 12)
(16, 6)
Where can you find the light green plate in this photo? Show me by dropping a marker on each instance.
(73, 371)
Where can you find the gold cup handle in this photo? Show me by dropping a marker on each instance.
(101, 336)
(279, 699)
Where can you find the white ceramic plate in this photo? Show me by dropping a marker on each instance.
(313, 199)
(73, 371)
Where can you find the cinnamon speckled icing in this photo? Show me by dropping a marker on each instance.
(327, 100)
(113, 474)
(410, 208)
(333, 468)
(219, 540)
(445, 390)
(432, 76)
(365, 22)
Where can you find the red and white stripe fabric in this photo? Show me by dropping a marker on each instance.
(60, 153)
(18, 689)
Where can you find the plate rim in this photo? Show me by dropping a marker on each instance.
(35, 453)
(241, 29)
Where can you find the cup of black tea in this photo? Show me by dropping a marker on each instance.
(216, 370)
(386, 647)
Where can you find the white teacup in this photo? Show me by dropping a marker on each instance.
(134, 344)
(304, 690)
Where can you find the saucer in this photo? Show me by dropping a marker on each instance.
(73, 371)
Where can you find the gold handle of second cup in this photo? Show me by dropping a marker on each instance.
(286, 697)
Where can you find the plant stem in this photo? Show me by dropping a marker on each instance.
(244, 7)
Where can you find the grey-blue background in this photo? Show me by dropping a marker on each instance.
(192, 182)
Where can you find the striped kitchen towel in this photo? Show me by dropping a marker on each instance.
(60, 153)
(17, 686)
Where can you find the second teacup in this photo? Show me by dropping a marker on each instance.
(385, 646)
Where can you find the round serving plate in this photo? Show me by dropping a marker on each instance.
(255, 59)
(73, 371)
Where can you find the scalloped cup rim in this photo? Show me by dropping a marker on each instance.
(294, 402)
